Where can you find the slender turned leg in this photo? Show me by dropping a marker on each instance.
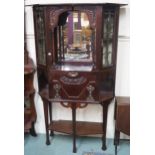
(45, 103)
(50, 112)
(105, 112)
(74, 126)
(116, 140)
(32, 130)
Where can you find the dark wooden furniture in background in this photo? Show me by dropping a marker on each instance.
(122, 118)
(29, 92)
(76, 48)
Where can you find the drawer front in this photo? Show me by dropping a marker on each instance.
(73, 86)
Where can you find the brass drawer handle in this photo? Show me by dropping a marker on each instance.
(73, 74)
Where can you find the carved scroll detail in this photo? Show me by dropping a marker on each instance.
(66, 105)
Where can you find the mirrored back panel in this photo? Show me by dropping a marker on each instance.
(74, 37)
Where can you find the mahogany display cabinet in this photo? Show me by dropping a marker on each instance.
(76, 48)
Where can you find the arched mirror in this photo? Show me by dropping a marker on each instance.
(75, 38)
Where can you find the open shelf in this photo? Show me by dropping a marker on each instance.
(82, 128)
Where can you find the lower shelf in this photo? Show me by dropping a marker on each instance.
(82, 128)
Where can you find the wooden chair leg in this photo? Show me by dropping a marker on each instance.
(116, 140)
(116, 137)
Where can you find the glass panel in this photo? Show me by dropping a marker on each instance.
(40, 36)
(108, 38)
(75, 38)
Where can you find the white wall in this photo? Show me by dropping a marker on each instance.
(95, 111)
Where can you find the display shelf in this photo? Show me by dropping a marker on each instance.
(82, 128)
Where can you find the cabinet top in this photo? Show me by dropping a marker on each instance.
(59, 2)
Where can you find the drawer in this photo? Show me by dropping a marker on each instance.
(73, 86)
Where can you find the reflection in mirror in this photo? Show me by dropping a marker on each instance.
(74, 37)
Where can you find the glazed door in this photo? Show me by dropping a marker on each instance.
(109, 47)
(40, 43)
(110, 36)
